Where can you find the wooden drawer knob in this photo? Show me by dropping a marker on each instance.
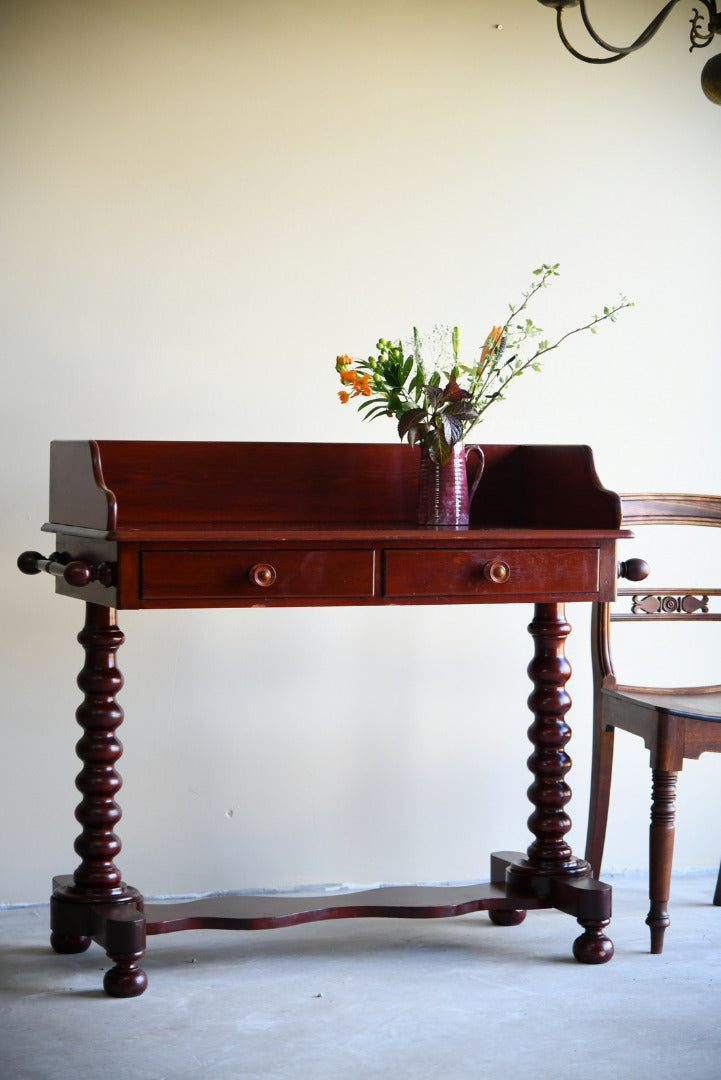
(633, 569)
(497, 571)
(262, 574)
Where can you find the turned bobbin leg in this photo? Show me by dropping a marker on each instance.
(550, 866)
(95, 903)
(549, 733)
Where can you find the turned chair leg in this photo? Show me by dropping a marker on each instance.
(601, 767)
(717, 894)
(661, 838)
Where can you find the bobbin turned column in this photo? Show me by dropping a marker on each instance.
(550, 867)
(95, 903)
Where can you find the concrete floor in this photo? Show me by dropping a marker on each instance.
(449, 999)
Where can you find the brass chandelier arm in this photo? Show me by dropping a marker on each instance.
(699, 38)
(643, 38)
(619, 53)
(576, 53)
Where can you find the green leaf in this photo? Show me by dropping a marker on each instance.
(369, 402)
(382, 411)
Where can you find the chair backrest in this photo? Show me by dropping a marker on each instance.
(670, 604)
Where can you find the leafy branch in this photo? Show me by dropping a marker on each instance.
(439, 410)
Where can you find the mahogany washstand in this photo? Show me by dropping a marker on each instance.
(205, 524)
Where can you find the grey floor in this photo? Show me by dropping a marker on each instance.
(373, 998)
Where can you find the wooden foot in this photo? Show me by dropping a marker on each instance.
(126, 979)
(69, 943)
(657, 933)
(593, 947)
(505, 917)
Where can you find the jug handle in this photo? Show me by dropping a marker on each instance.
(479, 469)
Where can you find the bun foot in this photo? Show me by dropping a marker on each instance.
(593, 947)
(125, 980)
(69, 943)
(506, 916)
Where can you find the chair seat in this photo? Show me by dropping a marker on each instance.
(699, 706)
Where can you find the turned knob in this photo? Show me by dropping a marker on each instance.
(30, 562)
(75, 572)
(634, 569)
(78, 574)
(497, 571)
(262, 574)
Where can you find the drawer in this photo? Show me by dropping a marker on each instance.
(491, 572)
(255, 575)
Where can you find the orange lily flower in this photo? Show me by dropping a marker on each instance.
(361, 385)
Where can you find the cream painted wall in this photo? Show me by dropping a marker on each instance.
(202, 204)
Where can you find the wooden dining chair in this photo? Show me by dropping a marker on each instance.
(674, 723)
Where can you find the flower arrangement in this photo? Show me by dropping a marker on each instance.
(437, 408)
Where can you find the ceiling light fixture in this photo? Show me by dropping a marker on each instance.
(703, 31)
